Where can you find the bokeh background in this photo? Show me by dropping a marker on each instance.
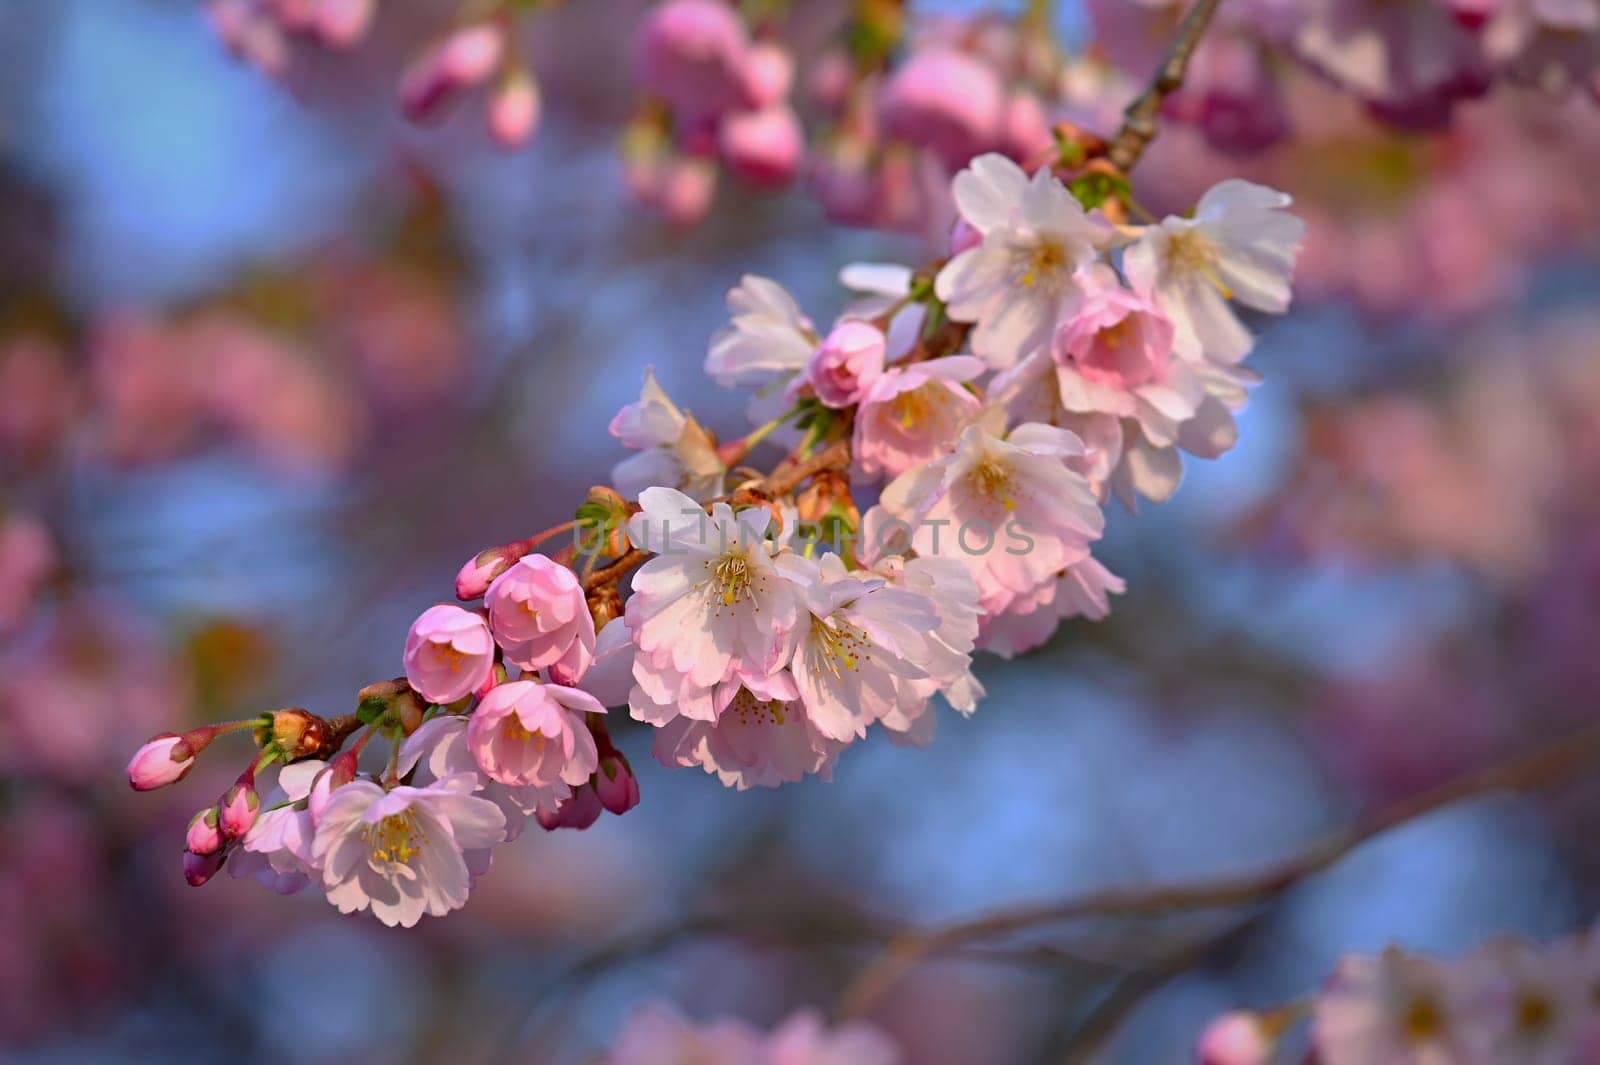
(273, 363)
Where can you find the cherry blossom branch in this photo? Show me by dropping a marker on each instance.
(1139, 121)
(1545, 766)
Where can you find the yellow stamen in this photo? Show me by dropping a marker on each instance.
(397, 838)
(1044, 263)
(992, 480)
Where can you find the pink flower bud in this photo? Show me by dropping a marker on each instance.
(164, 760)
(514, 109)
(340, 771)
(692, 54)
(762, 147)
(239, 807)
(945, 101)
(849, 361)
(580, 811)
(1235, 1039)
(455, 63)
(481, 569)
(767, 75)
(204, 837)
(615, 785)
(198, 868)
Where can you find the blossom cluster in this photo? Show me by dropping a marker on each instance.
(1509, 1001)
(993, 403)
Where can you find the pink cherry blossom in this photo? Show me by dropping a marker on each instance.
(1010, 508)
(529, 733)
(449, 653)
(762, 738)
(1023, 278)
(1116, 338)
(1083, 590)
(857, 657)
(848, 363)
(674, 450)
(441, 750)
(399, 853)
(540, 618)
(911, 414)
(709, 608)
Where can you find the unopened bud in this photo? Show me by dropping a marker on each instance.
(198, 868)
(394, 701)
(514, 108)
(295, 733)
(454, 63)
(580, 811)
(239, 807)
(615, 785)
(204, 836)
(602, 519)
(473, 581)
(341, 771)
(164, 760)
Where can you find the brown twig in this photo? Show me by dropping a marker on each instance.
(1139, 121)
(1546, 765)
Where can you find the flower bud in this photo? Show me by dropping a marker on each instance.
(514, 108)
(340, 771)
(198, 868)
(615, 785)
(204, 837)
(394, 701)
(481, 569)
(692, 53)
(455, 63)
(239, 807)
(762, 147)
(847, 363)
(580, 811)
(295, 732)
(945, 101)
(1236, 1038)
(165, 760)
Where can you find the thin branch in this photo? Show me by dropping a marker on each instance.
(1550, 764)
(1139, 121)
